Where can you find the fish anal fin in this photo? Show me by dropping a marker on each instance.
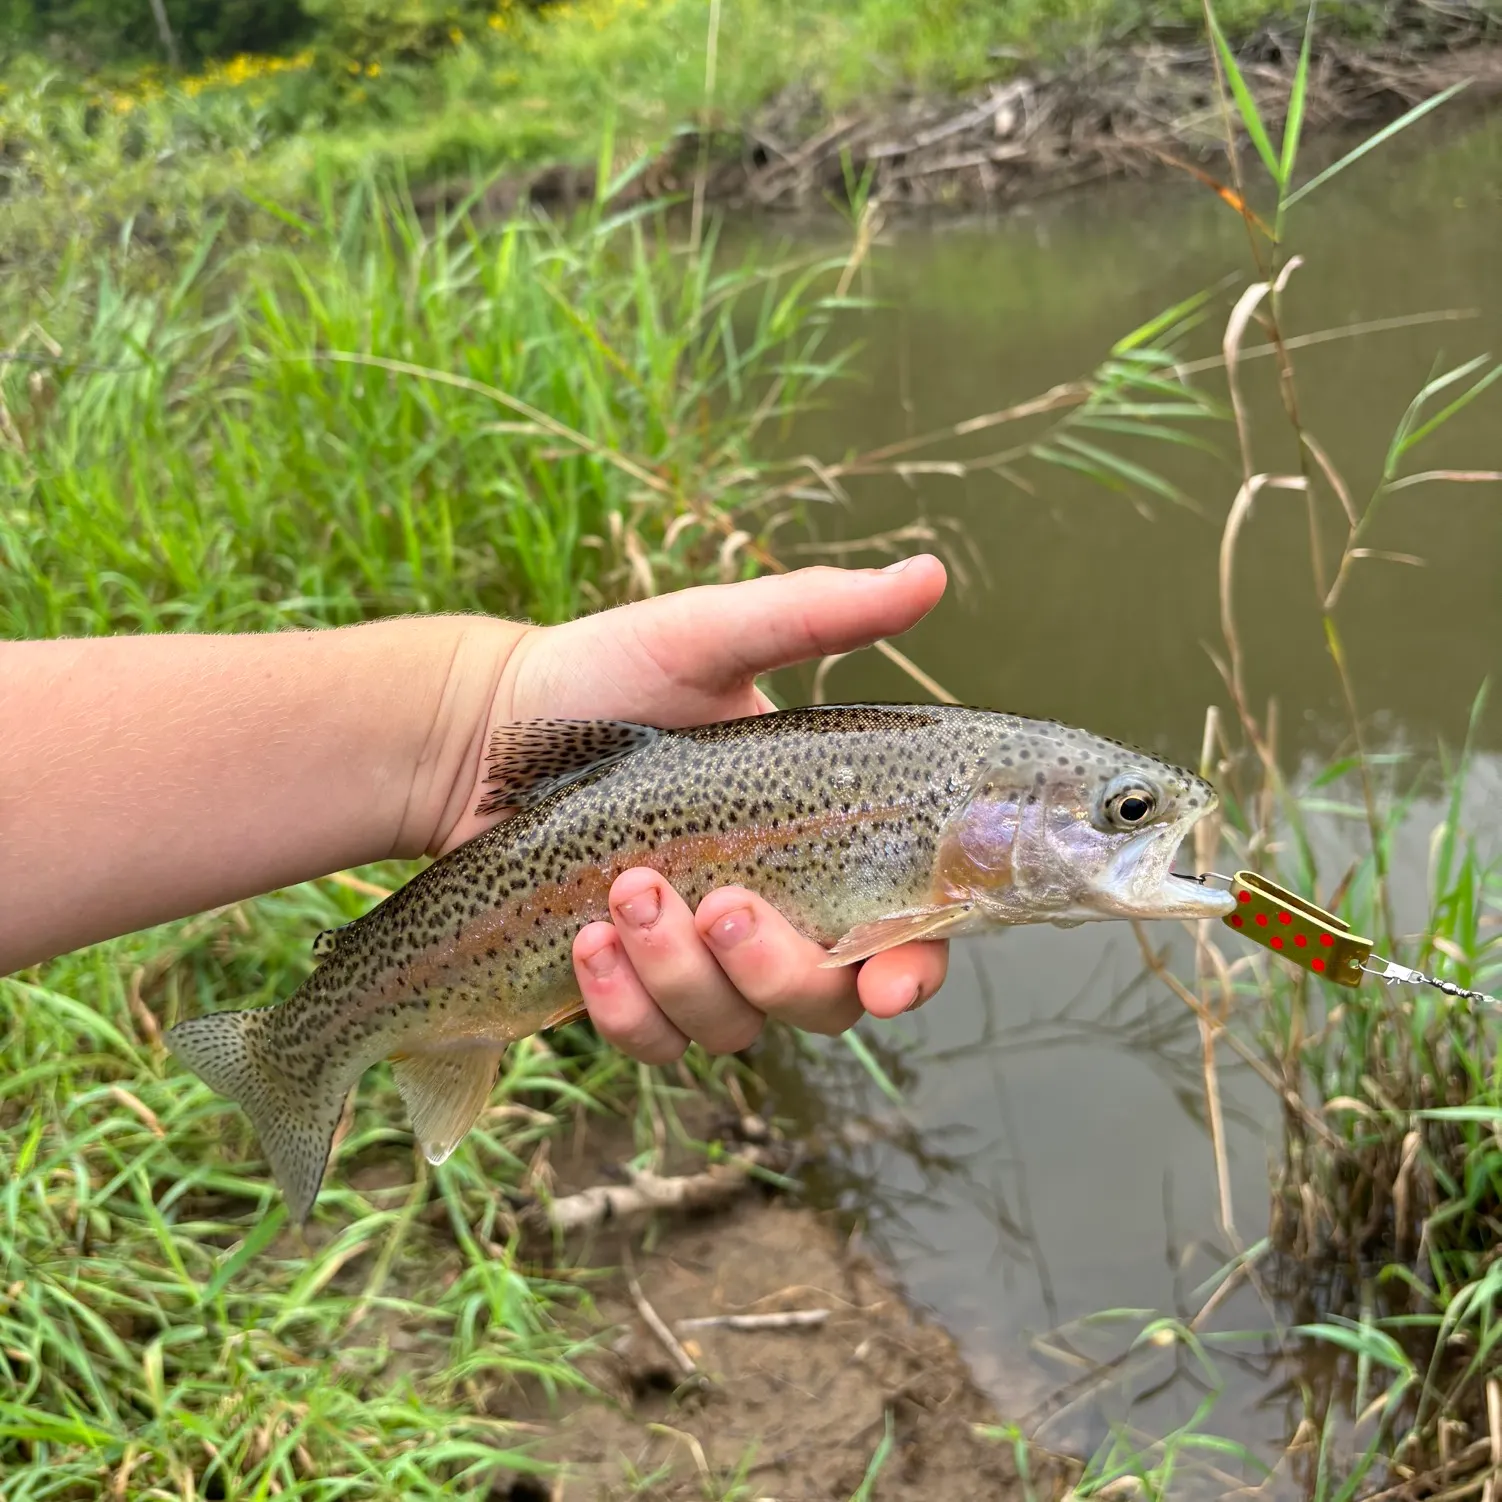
(866, 939)
(529, 760)
(444, 1090)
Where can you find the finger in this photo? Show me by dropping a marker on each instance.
(777, 969)
(619, 1006)
(901, 980)
(674, 966)
(722, 635)
(690, 657)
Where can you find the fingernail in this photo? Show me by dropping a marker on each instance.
(734, 928)
(602, 961)
(918, 999)
(643, 910)
(897, 568)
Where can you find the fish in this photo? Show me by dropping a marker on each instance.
(866, 825)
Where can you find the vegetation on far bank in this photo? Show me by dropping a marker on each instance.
(269, 102)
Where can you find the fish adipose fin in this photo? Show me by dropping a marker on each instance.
(866, 939)
(295, 1124)
(533, 758)
(444, 1090)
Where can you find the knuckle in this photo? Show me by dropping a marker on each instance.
(646, 1040)
(829, 1024)
(738, 1038)
(784, 989)
(663, 1051)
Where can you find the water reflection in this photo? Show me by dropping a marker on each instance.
(1051, 1159)
(1091, 613)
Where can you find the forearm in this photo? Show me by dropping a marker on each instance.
(146, 778)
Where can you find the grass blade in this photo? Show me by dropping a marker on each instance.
(1247, 106)
(1296, 99)
(879, 1077)
(1385, 134)
(866, 1489)
(1147, 332)
(261, 1236)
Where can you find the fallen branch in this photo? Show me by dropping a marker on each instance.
(658, 1326)
(788, 1319)
(647, 1192)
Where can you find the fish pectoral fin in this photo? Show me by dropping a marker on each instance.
(562, 1015)
(444, 1091)
(866, 939)
(533, 758)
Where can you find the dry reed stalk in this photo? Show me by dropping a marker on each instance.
(1154, 963)
(659, 1327)
(1494, 1429)
(711, 58)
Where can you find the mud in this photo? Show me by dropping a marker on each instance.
(797, 1413)
(875, 1395)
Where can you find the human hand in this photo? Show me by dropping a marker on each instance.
(658, 975)
(359, 744)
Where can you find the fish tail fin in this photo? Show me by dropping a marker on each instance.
(228, 1052)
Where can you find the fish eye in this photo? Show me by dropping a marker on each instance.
(1130, 806)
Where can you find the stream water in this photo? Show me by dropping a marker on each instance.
(1050, 1159)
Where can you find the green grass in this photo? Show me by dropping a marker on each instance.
(159, 1325)
(574, 421)
(570, 419)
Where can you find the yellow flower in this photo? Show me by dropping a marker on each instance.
(455, 35)
(372, 70)
(245, 67)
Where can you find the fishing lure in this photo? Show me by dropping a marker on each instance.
(1316, 940)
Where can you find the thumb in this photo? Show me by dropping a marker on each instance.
(720, 637)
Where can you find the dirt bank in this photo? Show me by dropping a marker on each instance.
(801, 1410)
(1115, 112)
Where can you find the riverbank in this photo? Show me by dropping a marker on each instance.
(750, 1348)
(1124, 111)
(746, 102)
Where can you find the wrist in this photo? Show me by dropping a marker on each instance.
(470, 659)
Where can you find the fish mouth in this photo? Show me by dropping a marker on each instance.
(1142, 884)
(1207, 901)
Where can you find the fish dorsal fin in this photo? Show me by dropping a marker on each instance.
(444, 1091)
(866, 939)
(533, 758)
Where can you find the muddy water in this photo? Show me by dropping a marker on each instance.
(1050, 1158)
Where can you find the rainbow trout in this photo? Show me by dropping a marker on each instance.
(867, 826)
